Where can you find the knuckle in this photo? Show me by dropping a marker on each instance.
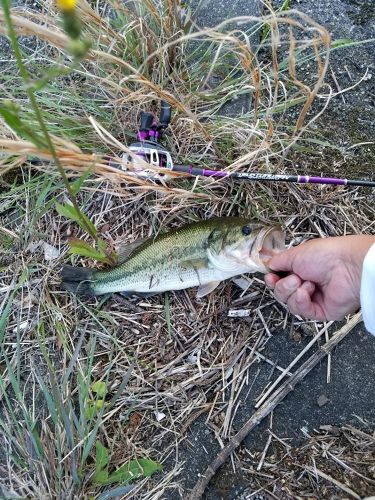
(294, 306)
(279, 294)
(300, 298)
(283, 291)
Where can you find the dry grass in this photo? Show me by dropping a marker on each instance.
(181, 350)
(334, 462)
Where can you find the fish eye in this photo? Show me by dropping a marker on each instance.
(246, 230)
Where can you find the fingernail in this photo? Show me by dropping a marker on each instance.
(291, 282)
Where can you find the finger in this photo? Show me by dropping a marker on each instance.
(283, 261)
(285, 287)
(309, 286)
(300, 304)
(271, 279)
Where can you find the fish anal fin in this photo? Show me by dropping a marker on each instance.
(204, 290)
(125, 250)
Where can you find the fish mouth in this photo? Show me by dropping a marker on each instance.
(271, 241)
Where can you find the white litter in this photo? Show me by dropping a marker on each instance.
(159, 415)
(239, 313)
(50, 252)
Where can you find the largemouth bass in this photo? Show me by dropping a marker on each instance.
(201, 254)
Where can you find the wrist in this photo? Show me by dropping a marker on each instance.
(357, 249)
(368, 290)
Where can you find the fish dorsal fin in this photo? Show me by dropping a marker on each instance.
(207, 288)
(126, 249)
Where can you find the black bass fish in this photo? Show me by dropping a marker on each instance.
(200, 254)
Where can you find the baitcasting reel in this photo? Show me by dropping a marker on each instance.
(148, 148)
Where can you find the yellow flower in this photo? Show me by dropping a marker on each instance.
(66, 5)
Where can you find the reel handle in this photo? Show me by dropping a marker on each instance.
(146, 121)
(165, 114)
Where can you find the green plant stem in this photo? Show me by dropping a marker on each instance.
(26, 78)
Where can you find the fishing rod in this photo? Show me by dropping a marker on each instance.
(148, 149)
(259, 177)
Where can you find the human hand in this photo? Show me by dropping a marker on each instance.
(324, 277)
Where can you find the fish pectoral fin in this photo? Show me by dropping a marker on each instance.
(207, 288)
(125, 250)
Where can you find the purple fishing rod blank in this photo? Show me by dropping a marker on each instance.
(302, 179)
(260, 177)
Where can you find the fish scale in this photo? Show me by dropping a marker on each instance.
(199, 254)
(159, 260)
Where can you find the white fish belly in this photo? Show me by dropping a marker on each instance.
(173, 279)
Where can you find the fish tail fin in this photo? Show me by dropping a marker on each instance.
(78, 280)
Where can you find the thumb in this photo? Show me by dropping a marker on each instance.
(283, 261)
